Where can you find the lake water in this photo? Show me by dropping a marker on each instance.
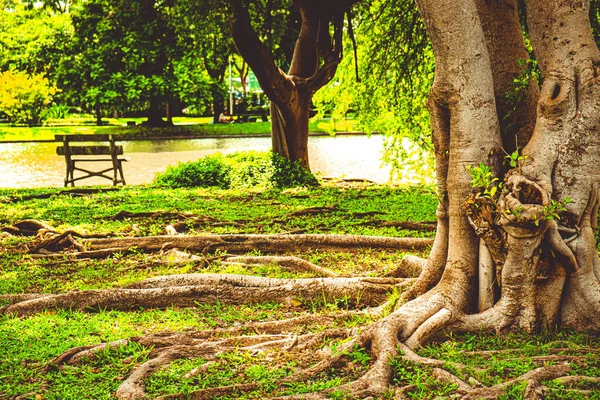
(37, 165)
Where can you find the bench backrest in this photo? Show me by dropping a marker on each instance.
(79, 150)
(84, 138)
(89, 150)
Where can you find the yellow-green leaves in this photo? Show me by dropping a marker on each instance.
(24, 96)
(483, 177)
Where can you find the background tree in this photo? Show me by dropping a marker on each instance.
(56, 6)
(124, 56)
(317, 53)
(32, 40)
(205, 30)
(23, 97)
(385, 86)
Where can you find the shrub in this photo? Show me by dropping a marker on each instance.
(206, 172)
(238, 170)
(56, 111)
(23, 97)
(288, 174)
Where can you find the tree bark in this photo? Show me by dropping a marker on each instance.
(563, 154)
(515, 104)
(98, 113)
(546, 265)
(462, 105)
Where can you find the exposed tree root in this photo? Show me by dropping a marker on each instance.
(409, 266)
(166, 349)
(17, 298)
(532, 377)
(392, 337)
(291, 263)
(413, 323)
(27, 227)
(188, 290)
(238, 244)
(264, 243)
(409, 225)
(213, 393)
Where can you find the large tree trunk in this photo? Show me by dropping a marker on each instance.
(217, 74)
(218, 101)
(98, 113)
(316, 55)
(564, 154)
(509, 250)
(289, 130)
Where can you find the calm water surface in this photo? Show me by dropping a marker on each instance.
(37, 165)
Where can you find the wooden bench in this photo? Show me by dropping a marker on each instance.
(86, 153)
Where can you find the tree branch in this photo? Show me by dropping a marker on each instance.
(274, 82)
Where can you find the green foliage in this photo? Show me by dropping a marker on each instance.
(423, 384)
(124, 54)
(23, 97)
(32, 39)
(358, 355)
(395, 68)
(483, 177)
(56, 111)
(206, 172)
(515, 160)
(552, 210)
(237, 170)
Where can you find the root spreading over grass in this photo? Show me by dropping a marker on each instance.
(240, 315)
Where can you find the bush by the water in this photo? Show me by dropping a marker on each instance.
(238, 170)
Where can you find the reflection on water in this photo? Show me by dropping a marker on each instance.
(37, 165)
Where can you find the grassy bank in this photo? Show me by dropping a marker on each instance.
(184, 127)
(28, 344)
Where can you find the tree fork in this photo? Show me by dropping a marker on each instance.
(316, 55)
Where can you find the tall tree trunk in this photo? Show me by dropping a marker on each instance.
(218, 101)
(461, 102)
(535, 265)
(516, 94)
(289, 130)
(563, 155)
(316, 55)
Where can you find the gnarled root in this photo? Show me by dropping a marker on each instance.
(190, 289)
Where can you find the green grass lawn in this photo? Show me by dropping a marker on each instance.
(27, 344)
(184, 126)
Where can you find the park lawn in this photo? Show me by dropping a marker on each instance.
(184, 127)
(27, 344)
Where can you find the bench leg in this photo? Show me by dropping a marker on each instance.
(118, 173)
(70, 174)
(121, 173)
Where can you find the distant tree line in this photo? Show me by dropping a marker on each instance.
(159, 57)
(135, 57)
